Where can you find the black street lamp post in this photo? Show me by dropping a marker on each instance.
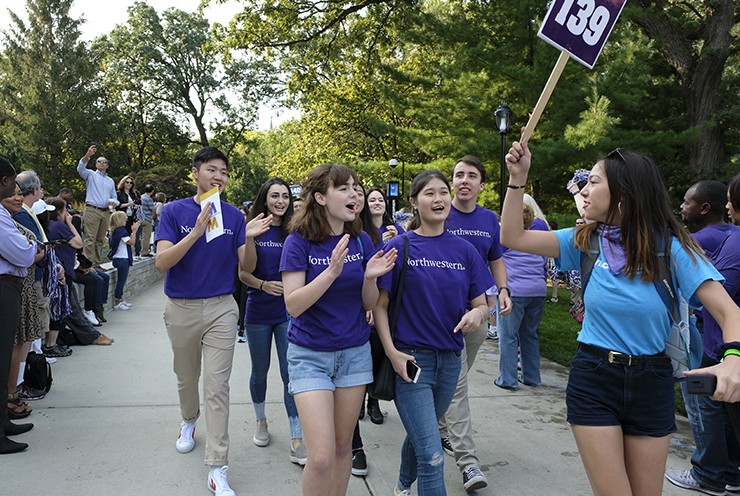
(503, 121)
(393, 163)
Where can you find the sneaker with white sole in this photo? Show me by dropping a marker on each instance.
(474, 479)
(90, 316)
(684, 479)
(261, 435)
(733, 488)
(359, 463)
(492, 332)
(218, 483)
(447, 446)
(397, 491)
(186, 439)
(299, 454)
(121, 306)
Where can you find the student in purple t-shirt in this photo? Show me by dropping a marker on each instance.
(266, 317)
(200, 313)
(329, 282)
(703, 211)
(445, 276)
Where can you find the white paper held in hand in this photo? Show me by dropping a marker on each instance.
(216, 222)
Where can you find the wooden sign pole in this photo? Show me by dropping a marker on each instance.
(545, 95)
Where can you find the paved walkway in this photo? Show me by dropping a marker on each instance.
(109, 424)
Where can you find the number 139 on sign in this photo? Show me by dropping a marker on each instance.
(587, 20)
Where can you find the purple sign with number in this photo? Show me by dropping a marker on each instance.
(580, 27)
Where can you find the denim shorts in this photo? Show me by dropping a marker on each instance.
(311, 370)
(639, 398)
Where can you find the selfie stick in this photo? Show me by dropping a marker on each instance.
(545, 95)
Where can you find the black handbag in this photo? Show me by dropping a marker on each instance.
(383, 386)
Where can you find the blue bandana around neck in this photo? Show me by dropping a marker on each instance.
(613, 248)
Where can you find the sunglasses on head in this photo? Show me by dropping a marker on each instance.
(616, 153)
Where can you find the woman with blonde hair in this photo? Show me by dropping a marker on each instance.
(120, 242)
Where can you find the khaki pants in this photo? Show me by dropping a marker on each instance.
(203, 331)
(457, 423)
(95, 223)
(146, 237)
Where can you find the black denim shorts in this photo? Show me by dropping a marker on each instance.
(639, 398)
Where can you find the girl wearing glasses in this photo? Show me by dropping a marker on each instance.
(128, 200)
(620, 389)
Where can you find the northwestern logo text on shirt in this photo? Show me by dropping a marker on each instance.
(439, 264)
(469, 232)
(327, 260)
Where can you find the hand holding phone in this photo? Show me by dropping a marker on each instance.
(413, 371)
(704, 384)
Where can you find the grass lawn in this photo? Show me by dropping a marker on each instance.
(558, 333)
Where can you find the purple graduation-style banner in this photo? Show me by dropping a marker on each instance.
(580, 27)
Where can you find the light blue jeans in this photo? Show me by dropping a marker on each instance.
(518, 333)
(260, 337)
(420, 406)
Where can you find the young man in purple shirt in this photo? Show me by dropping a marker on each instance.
(480, 227)
(200, 313)
(703, 211)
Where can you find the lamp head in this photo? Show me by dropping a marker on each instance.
(503, 117)
(393, 163)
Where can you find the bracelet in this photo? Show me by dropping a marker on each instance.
(262, 284)
(731, 351)
(725, 347)
(514, 186)
(506, 288)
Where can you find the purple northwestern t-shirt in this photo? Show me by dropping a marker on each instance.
(480, 227)
(727, 262)
(526, 274)
(264, 308)
(712, 236)
(443, 274)
(337, 320)
(201, 273)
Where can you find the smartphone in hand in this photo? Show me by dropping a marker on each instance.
(701, 384)
(413, 371)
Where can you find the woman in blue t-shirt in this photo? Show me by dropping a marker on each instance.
(266, 318)
(444, 274)
(330, 274)
(620, 388)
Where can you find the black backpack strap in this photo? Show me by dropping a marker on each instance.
(399, 289)
(588, 260)
(664, 284)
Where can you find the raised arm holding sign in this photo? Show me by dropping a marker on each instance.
(579, 28)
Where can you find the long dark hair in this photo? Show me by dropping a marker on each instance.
(421, 180)
(260, 205)
(733, 190)
(639, 194)
(367, 219)
(310, 220)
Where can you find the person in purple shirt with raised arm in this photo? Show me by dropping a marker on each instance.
(443, 297)
(200, 314)
(16, 256)
(330, 273)
(266, 317)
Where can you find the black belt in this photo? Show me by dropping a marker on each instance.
(11, 278)
(623, 358)
(104, 209)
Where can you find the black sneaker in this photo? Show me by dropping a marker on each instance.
(373, 410)
(359, 463)
(56, 351)
(474, 479)
(29, 393)
(447, 446)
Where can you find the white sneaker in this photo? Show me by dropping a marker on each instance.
(121, 306)
(218, 483)
(126, 304)
(90, 316)
(397, 491)
(492, 332)
(185, 440)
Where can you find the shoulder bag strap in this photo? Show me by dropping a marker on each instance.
(399, 290)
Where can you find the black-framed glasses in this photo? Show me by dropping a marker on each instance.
(616, 153)
(129, 182)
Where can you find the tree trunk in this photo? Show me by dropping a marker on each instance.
(700, 73)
